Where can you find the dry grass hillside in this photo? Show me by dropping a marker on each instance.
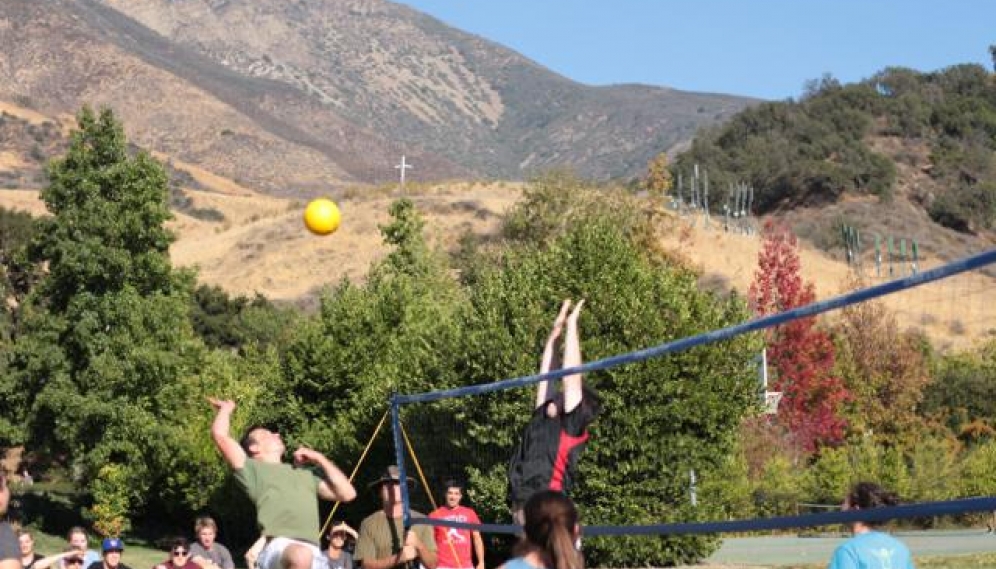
(261, 245)
(258, 243)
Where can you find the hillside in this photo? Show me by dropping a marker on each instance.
(262, 246)
(293, 98)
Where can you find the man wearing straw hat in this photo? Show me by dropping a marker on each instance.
(286, 497)
(382, 543)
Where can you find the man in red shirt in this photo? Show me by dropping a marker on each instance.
(453, 544)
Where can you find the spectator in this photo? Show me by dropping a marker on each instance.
(179, 556)
(71, 558)
(206, 552)
(28, 554)
(337, 553)
(453, 545)
(550, 532)
(870, 548)
(111, 550)
(383, 543)
(79, 541)
(10, 555)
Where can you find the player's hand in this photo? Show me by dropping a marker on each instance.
(412, 539)
(305, 455)
(558, 323)
(572, 319)
(222, 404)
(408, 553)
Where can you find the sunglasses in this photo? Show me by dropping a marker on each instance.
(179, 552)
(74, 561)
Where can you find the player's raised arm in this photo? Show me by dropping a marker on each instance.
(572, 358)
(234, 455)
(546, 362)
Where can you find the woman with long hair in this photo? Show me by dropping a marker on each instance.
(550, 533)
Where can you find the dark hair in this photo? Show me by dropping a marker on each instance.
(248, 439)
(590, 401)
(452, 483)
(868, 495)
(180, 542)
(76, 529)
(550, 519)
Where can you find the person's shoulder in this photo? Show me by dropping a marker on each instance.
(373, 518)
(438, 513)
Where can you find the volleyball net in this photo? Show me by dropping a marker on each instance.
(468, 433)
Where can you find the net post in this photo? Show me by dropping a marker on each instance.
(399, 456)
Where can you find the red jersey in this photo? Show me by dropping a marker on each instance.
(450, 541)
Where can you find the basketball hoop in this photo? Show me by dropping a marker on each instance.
(771, 400)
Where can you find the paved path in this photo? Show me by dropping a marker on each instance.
(780, 550)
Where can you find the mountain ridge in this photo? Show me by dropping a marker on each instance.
(296, 97)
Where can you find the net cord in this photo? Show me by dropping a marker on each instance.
(874, 515)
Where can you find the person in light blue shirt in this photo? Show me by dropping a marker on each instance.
(870, 548)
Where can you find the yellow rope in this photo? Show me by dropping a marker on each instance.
(355, 470)
(425, 484)
(418, 467)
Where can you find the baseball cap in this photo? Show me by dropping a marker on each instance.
(111, 544)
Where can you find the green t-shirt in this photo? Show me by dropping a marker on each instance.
(286, 498)
(378, 539)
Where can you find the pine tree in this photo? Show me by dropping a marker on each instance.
(801, 355)
(106, 330)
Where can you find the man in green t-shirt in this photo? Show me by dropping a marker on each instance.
(380, 544)
(285, 496)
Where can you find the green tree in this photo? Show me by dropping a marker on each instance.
(636, 469)
(16, 277)
(223, 321)
(106, 329)
(962, 390)
(828, 478)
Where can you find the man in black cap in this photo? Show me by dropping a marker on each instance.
(382, 543)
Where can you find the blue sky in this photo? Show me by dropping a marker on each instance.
(760, 48)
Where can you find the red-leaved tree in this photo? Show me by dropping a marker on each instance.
(800, 354)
